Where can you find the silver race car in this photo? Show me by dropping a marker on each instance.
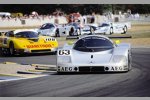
(94, 53)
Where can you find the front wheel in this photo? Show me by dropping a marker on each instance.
(78, 32)
(57, 33)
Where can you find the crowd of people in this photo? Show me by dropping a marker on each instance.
(71, 17)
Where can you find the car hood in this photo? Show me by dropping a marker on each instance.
(102, 57)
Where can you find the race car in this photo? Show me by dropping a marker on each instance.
(50, 29)
(26, 41)
(94, 53)
(107, 28)
(73, 28)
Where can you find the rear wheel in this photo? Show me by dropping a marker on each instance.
(111, 31)
(2, 53)
(78, 32)
(11, 49)
(125, 29)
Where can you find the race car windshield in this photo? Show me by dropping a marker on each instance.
(27, 34)
(93, 44)
(47, 26)
(104, 24)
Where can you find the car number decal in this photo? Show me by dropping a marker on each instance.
(64, 52)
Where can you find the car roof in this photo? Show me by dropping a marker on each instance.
(102, 36)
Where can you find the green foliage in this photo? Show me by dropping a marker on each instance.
(70, 8)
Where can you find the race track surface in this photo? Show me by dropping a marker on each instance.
(135, 83)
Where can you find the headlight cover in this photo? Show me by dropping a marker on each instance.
(64, 59)
(119, 59)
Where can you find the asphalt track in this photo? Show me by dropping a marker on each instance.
(135, 83)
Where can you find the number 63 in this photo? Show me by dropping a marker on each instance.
(64, 52)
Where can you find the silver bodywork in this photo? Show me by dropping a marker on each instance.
(52, 30)
(115, 59)
(109, 29)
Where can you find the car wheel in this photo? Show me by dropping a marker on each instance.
(11, 49)
(91, 30)
(57, 33)
(78, 32)
(125, 29)
(2, 52)
(129, 62)
(71, 32)
(111, 31)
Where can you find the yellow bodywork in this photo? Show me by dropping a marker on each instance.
(44, 43)
(117, 42)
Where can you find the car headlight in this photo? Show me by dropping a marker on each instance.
(64, 59)
(119, 58)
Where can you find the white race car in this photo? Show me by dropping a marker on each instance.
(49, 29)
(73, 28)
(94, 53)
(107, 28)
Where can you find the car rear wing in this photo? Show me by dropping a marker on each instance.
(72, 37)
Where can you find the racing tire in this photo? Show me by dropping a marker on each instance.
(2, 53)
(111, 31)
(78, 32)
(129, 62)
(91, 30)
(57, 33)
(125, 30)
(11, 49)
(71, 32)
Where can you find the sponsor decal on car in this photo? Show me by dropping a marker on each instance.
(39, 46)
(65, 69)
(116, 68)
(64, 52)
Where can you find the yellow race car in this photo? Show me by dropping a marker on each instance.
(26, 41)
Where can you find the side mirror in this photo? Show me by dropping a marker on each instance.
(117, 42)
(70, 42)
